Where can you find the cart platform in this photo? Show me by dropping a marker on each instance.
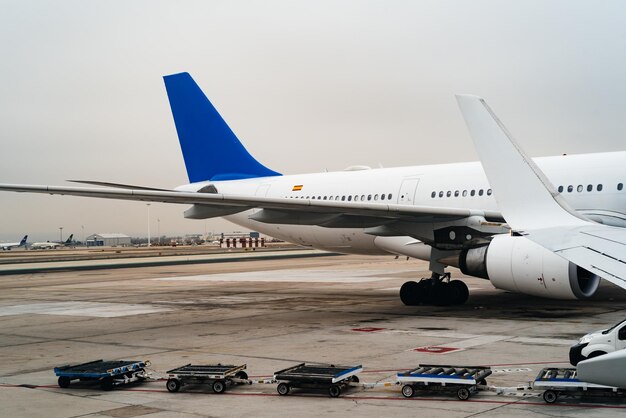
(317, 376)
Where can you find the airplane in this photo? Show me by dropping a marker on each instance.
(549, 221)
(445, 214)
(10, 245)
(51, 245)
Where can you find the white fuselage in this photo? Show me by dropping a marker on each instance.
(592, 178)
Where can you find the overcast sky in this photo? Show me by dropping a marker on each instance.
(307, 86)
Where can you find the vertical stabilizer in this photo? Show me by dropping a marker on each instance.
(210, 148)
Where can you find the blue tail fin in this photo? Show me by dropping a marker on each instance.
(210, 149)
(23, 241)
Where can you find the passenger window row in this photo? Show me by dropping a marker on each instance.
(580, 188)
(458, 193)
(350, 198)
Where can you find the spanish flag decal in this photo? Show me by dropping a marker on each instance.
(297, 188)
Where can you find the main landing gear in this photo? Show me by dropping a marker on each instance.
(439, 290)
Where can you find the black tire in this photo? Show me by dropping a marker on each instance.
(219, 386)
(409, 293)
(106, 383)
(550, 396)
(443, 294)
(463, 393)
(462, 292)
(283, 389)
(64, 382)
(334, 391)
(173, 385)
(408, 391)
(596, 354)
(241, 375)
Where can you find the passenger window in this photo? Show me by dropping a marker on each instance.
(433, 194)
(389, 196)
(376, 196)
(589, 187)
(480, 192)
(488, 192)
(362, 198)
(464, 193)
(473, 192)
(349, 198)
(382, 197)
(570, 188)
(620, 186)
(622, 334)
(336, 197)
(599, 187)
(369, 197)
(560, 189)
(343, 198)
(441, 194)
(448, 193)
(456, 193)
(308, 197)
(579, 188)
(325, 197)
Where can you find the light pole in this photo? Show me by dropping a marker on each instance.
(61, 233)
(159, 230)
(148, 204)
(83, 228)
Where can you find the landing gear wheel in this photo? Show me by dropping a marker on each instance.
(463, 393)
(443, 294)
(219, 386)
(283, 389)
(462, 293)
(354, 379)
(550, 396)
(64, 382)
(409, 292)
(334, 391)
(173, 385)
(408, 391)
(241, 375)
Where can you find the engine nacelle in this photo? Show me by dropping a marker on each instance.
(519, 265)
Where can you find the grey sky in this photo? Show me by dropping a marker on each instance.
(307, 86)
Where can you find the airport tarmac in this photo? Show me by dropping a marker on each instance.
(270, 314)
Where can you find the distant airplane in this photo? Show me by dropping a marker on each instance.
(10, 245)
(50, 245)
(445, 214)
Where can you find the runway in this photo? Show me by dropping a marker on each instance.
(273, 313)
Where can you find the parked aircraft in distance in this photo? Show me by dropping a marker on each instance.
(445, 214)
(50, 245)
(10, 245)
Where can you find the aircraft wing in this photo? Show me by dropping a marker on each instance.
(532, 206)
(375, 210)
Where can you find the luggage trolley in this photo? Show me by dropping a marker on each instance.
(462, 379)
(218, 376)
(108, 373)
(564, 381)
(317, 376)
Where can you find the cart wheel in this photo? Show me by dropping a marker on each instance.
(241, 375)
(354, 379)
(64, 382)
(106, 383)
(463, 393)
(550, 396)
(283, 389)
(334, 391)
(408, 391)
(173, 385)
(219, 386)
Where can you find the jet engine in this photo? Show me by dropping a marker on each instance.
(519, 265)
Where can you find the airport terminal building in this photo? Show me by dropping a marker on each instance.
(107, 240)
